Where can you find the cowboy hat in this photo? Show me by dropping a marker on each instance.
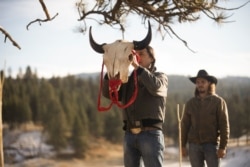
(204, 74)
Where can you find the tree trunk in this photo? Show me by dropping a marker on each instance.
(1, 124)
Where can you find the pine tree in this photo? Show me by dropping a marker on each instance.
(56, 125)
(79, 139)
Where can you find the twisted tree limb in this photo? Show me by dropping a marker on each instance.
(7, 35)
(163, 12)
(48, 18)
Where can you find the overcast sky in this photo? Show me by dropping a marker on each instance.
(55, 49)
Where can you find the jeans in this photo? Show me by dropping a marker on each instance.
(201, 153)
(147, 147)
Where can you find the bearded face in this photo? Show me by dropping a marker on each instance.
(202, 85)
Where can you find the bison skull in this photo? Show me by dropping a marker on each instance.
(117, 55)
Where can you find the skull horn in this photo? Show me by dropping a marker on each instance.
(97, 47)
(139, 45)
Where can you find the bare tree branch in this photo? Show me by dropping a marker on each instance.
(163, 12)
(45, 9)
(48, 18)
(7, 35)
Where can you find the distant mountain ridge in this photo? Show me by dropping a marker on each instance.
(88, 75)
(182, 79)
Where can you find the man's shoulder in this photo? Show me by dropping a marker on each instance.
(218, 98)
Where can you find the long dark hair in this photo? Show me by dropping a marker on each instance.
(151, 53)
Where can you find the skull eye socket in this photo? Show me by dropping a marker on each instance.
(130, 57)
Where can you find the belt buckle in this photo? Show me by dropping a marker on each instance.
(135, 131)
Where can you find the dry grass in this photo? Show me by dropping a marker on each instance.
(104, 152)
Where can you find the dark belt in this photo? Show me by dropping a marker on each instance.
(138, 130)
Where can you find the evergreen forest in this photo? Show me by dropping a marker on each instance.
(66, 107)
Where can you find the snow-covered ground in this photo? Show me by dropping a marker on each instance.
(236, 157)
(29, 148)
(19, 146)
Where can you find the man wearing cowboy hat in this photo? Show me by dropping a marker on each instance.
(205, 123)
